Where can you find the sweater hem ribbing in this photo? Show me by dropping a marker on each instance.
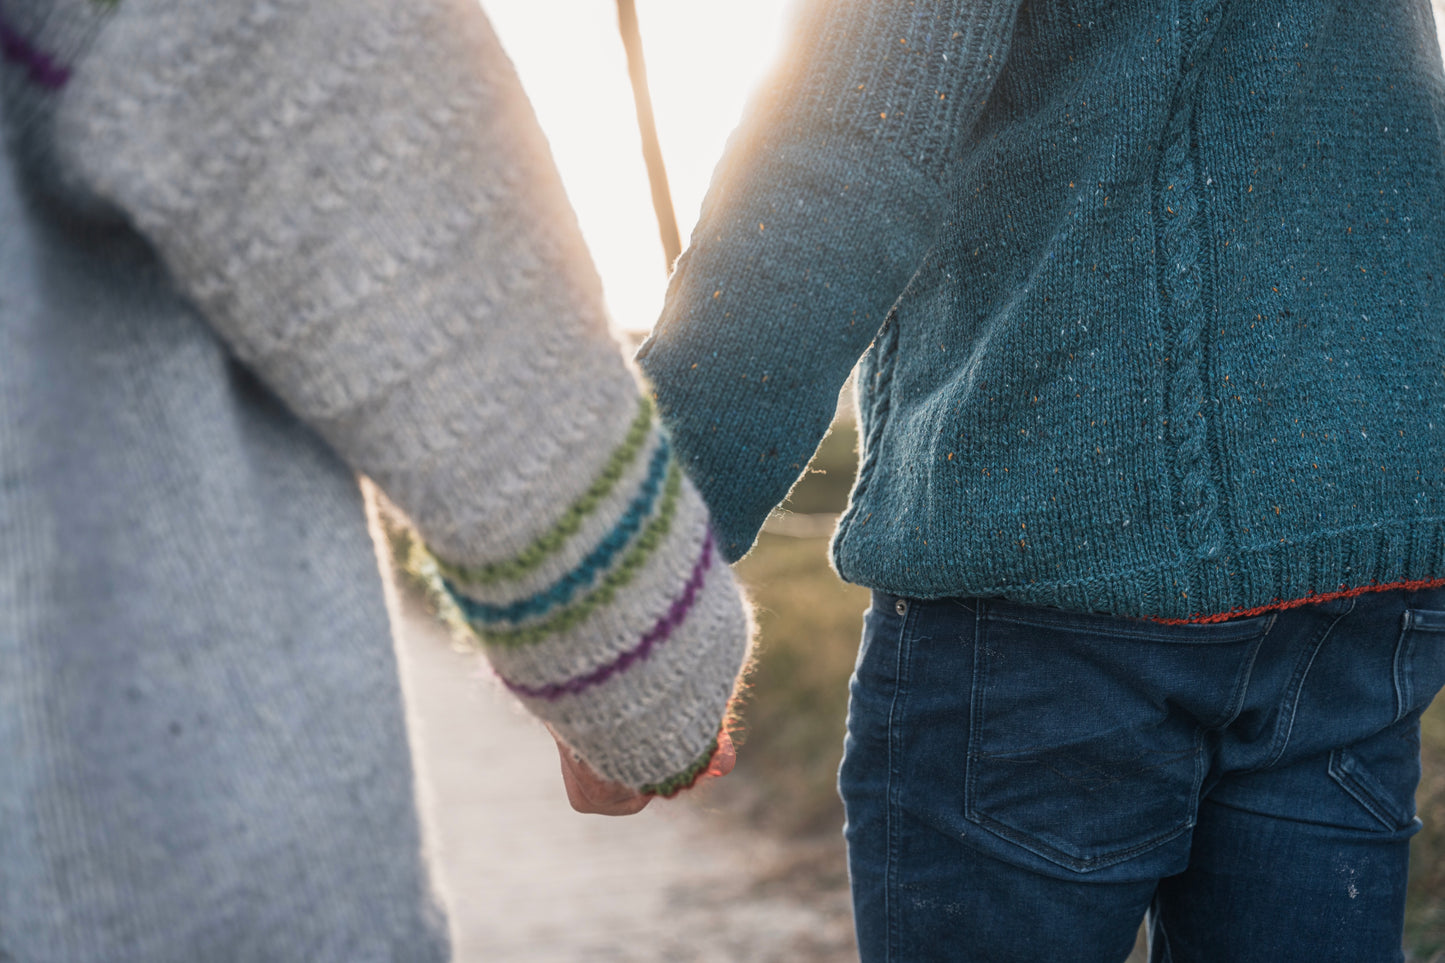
(1406, 555)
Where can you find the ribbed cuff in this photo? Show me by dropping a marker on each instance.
(621, 627)
(686, 779)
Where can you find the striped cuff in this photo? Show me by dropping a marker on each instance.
(684, 780)
(621, 625)
(47, 62)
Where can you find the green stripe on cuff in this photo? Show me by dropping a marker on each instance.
(549, 542)
(683, 780)
(618, 578)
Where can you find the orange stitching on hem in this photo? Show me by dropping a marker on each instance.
(1343, 593)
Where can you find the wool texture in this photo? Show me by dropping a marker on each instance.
(1149, 300)
(250, 251)
(617, 651)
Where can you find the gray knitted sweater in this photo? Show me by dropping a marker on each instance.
(249, 250)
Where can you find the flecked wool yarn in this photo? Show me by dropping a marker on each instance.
(1150, 299)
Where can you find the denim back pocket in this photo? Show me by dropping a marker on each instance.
(1419, 661)
(1086, 737)
(1382, 772)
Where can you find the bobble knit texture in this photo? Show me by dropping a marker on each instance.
(414, 319)
(250, 250)
(1152, 298)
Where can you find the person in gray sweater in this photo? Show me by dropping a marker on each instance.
(249, 251)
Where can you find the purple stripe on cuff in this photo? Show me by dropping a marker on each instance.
(658, 634)
(43, 68)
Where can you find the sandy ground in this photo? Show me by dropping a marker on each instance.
(529, 880)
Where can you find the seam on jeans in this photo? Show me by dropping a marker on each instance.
(1365, 789)
(1426, 619)
(1028, 752)
(1404, 646)
(902, 671)
(976, 696)
(1201, 770)
(1123, 627)
(1409, 829)
(1077, 864)
(1285, 728)
(1241, 686)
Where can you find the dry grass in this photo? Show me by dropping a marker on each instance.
(809, 624)
(1425, 911)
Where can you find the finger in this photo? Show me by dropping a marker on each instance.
(724, 759)
(609, 799)
(632, 804)
(589, 793)
(575, 793)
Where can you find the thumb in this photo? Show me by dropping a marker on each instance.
(725, 758)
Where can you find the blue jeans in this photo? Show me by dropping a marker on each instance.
(1025, 784)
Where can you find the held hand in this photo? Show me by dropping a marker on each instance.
(590, 793)
(723, 760)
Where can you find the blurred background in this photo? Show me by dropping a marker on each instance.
(778, 814)
(703, 59)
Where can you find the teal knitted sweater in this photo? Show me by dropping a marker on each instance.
(1152, 296)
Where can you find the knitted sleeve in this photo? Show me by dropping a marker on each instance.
(356, 196)
(825, 204)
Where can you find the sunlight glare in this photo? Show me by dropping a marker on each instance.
(703, 59)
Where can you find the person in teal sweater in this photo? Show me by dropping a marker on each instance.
(1150, 300)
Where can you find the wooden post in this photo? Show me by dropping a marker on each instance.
(647, 127)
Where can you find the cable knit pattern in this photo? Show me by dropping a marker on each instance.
(1182, 272)
(567, 569)
(615, 580)
(623, 457)
(1156, 291)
